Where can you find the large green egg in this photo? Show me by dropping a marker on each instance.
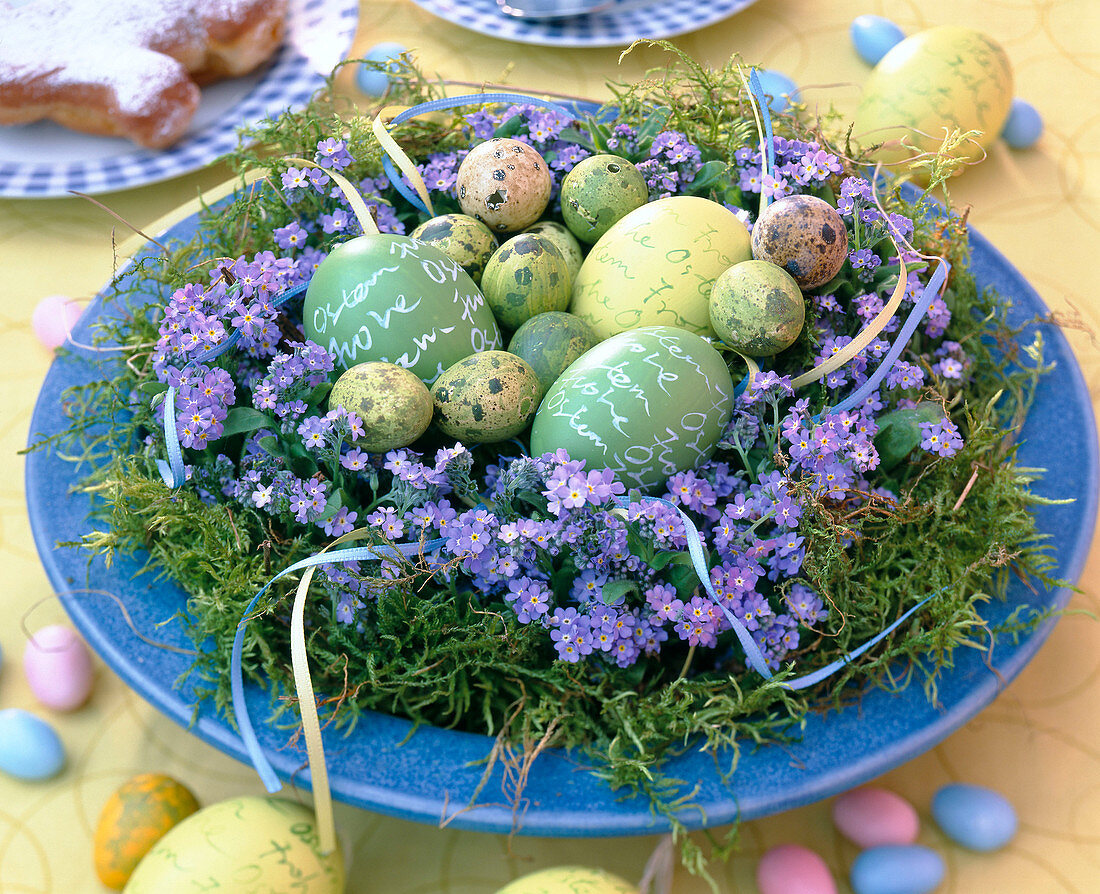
(550, 342)
(566, 242)
(392, 298)
(459, 236)
(599, 191)
(757, 308)
(486, 398)
(656, 266)
(646, 404)
(526, 276)
(393, 403)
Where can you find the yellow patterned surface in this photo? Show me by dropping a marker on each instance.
(1037, 743)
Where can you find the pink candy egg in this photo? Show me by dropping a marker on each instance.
(793, 869)
(870, 817)
(54, 318)
(58, 667)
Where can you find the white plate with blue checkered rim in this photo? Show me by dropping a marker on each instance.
(45, 160)
(617, 25)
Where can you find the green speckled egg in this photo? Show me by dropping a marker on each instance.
(646, 403)
(504, 183)
(393, 403)
(757, 308)
(549, 342)
(526, 276)
(486, 398)
(805, 236)
(469, 242)
(565, 241)
(599, 191)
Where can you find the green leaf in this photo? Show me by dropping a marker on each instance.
(652, 126)
(318, 394)
(153, 388)
(899, 432)
(615, 591)
(511, 127)
(708, 175)
(241, 420)
(664, 558)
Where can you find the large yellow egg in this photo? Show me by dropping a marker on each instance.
(569, 880)
(948, 77)
(246, 845)
(656, 266)
(136, 816)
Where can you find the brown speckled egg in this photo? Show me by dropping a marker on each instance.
(464, 240)
(393, 403)
(805, 236)
(505, 184)
(487, 397)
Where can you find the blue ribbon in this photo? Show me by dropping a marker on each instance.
(757, 91)
(172, 472)
(451, 102)
(236, 677)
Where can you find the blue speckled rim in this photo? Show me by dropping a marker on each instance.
(288, 82)
(432, 774)
(617, 25)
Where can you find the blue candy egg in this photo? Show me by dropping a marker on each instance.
(1024, 125)
(372, 82)
(897, 869)
(29, 747)
(873, 37)
(777, 87)
(975, 817)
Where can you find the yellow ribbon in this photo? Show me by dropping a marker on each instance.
(395, 152)
(358, 206)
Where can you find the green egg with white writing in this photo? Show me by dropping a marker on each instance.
(395, 406)
(486, 398)
(551, 341)
(567, 243)
(396, 299)
(469, 242)
(757, 308)
(598, 192)
(526, 276)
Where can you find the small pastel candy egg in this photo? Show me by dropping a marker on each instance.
(29, 747)
(58, 667)
(777, 87)
(897, 869)
(975, 817)
(1024, 125)
(53, 319)
(135, 817)
(870, 817)
(374, 82)
(793, 869)
(569, 880)
(873, 37)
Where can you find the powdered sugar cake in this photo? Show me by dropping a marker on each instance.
(127, 68)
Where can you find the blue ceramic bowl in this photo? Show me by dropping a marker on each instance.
(432, 775)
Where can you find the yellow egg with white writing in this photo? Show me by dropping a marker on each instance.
(656, 266)
(242, 844)
(944, 79)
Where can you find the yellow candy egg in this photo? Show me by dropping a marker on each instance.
(136, 816)
(656, 266)
(569, 880)
(246, 845)
(947, 77)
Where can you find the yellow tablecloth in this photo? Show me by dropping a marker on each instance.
(1037, 743)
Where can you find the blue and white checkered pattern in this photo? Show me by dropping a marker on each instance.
(291, 78)
(619, 24)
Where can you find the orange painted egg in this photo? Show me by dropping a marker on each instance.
(135, 818)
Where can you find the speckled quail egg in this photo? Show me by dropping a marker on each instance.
(566, 242)
(549, 342)
(527, 275)
(599, 191)
(757, 308)
(485, 398)
(805, 236)
(393, 403)
(504, 183)
(467, 241)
